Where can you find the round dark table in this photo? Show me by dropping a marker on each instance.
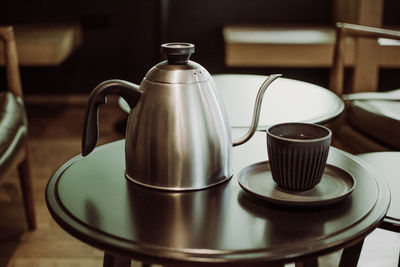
(92, 200)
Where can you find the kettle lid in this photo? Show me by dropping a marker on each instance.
(177, 53)
(177, 68)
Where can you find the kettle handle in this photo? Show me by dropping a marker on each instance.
(128, 91)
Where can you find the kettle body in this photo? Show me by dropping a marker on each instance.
(178, 136)
(178, 132)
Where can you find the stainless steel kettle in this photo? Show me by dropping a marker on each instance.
(178, 133)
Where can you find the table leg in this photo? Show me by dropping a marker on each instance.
(115, 261)
(351, 255)
(248, 264)
(312, 262)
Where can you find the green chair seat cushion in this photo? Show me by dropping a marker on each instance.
(13, 129)
(387, 165)
(378, 119)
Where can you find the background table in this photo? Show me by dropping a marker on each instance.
(285, 100)
(91, 199)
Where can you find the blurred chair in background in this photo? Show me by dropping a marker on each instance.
(372, 119)
(13, 125)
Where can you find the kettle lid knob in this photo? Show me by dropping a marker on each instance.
(177, 53)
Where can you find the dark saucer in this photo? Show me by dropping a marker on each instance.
(335, 185)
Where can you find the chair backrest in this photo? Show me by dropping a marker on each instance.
(344, 30)
(11, 60)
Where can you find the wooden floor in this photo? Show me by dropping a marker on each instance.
(55, 136)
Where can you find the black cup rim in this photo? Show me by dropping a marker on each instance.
(313, 125)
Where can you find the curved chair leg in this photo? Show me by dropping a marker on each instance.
(398, 263)
(27, 190)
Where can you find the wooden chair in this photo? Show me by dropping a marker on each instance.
(372, 120)
(13, 125)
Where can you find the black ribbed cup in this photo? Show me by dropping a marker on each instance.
(297, 154)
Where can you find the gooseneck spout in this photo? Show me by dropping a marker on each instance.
(257, 109)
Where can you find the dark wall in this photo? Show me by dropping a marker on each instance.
(119, 41)
(121, 38)
(201, 22)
